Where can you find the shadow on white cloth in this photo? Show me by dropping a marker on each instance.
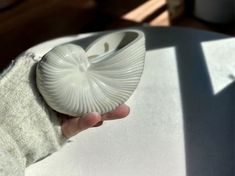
(182, 114)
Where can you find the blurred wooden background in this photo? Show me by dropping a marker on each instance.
(27, 22)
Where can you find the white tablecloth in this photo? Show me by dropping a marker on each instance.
(182, 113)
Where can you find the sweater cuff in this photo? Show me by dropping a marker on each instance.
(24, 115)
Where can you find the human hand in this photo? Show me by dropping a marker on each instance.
(72, 126)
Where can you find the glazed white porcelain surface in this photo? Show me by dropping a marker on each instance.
(75, 81)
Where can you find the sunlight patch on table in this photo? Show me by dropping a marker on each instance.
(220, 59)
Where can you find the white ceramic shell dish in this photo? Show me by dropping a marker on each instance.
(74, 81)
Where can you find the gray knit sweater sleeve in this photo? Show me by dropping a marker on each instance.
(29, 129)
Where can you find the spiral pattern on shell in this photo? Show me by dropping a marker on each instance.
(73, 81)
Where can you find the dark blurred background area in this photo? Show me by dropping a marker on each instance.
(24, 23)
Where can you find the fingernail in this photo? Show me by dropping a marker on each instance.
(84, 115)
(90, 114)
(95, 113)
(98, 124)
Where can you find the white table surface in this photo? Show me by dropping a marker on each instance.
(182, 114)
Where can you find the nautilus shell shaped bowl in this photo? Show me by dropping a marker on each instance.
(75, 81)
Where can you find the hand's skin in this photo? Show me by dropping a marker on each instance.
(72, 126)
